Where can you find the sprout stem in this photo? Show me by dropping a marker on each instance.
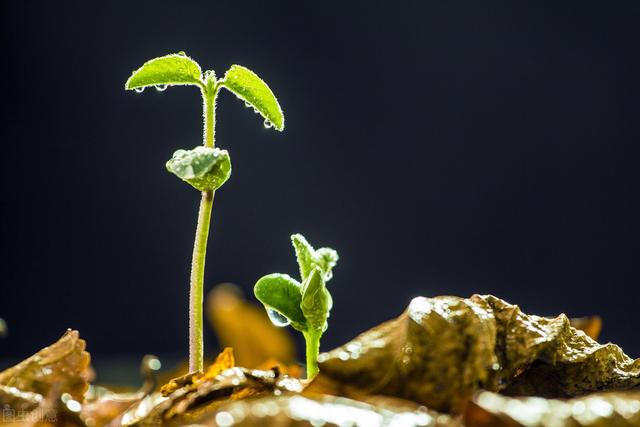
(312, 341)
(196, 342)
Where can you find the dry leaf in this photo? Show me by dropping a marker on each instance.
(299, 411)
(189, 398)
(441, 350)
(60, 368)
(612, 409)
(224, 361)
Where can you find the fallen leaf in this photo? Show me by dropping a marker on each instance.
(190, 398)
(612, 409)
(62, 367)
(442, 350)
(298, 411)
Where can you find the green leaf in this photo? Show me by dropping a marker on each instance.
(283, 294)
(250, 88)
(326, 259)
(316, 301)
(309, 258)
(173, 69)
(304, 254)
(203, 167)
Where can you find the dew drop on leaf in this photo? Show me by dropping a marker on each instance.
(139, 89)
(268, 124)
(247, 104)
(182, 53)
(161, 88)
(277, 319)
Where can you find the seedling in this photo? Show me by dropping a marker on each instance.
(305, 306)
(205, 167)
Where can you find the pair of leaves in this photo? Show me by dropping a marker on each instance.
(206, 169)
(179, 69)
(306, 305)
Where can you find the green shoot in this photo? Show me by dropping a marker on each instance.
(305, 306)
(205, 167)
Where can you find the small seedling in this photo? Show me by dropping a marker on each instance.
(205, 167)
(305, 306)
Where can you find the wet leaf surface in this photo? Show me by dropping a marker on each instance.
(296, 410)
(190, 397)
(441, 350)
(613, 409)
(439, 355)
(250, 88)
(60, 368)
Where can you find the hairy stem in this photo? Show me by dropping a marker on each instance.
(209, 93)
(196, 342)
(312, 341)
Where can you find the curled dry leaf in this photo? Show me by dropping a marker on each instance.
(47, 388)
(299, 411)
(247, 329)
(51, 388)
(441, 350)
(60, 368)
(191, 397)
(103, 407)
(612, 409)
(224, 361)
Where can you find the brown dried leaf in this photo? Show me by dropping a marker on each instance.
(292, 370)
(60, 368)
(104, 407)
(612, 409)
(224, 361)
(298, 411)
(441, 350)
(203, 395)
(247, 329)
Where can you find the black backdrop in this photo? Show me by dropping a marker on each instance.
(443, 147)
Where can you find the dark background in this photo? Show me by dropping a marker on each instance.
(442, 147)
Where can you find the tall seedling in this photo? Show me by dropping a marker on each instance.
(205, 167)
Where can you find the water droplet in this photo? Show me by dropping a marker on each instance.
(247, 104)
(224, 419)
(74, 406)
(268, 124)
(139, 89)
(277, 319)
(161, 88)
(182, 53)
